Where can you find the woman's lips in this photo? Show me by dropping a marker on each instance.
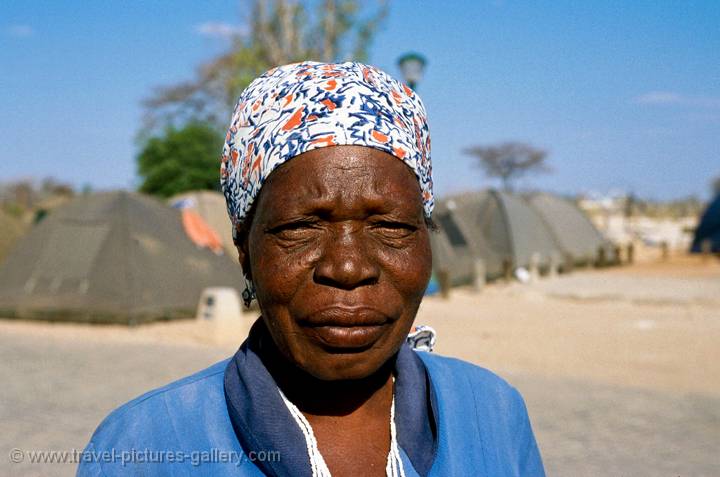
(344, 337)
(346, 328)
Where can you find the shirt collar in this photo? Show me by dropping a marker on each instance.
(262, 422)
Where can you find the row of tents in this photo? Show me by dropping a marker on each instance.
(508, 232)
(123, 257)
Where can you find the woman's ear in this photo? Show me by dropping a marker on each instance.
(241, 244)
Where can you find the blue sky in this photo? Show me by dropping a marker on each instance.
(624, 95)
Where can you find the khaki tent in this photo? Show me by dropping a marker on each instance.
(112, 257)
(579, 240)
(499, 228)
(451, 251)
(211, 207)
(11, 230)
(458, 230)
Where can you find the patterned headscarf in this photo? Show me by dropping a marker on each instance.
(295, 108)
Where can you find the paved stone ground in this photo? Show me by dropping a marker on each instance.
(55, 391)
(587, 429)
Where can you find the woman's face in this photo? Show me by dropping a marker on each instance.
(339, 254)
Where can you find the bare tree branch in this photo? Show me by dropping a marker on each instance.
(278, 32)
(509, 161)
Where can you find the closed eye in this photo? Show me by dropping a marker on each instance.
(294, 231)
(392, 229)
(294, 225)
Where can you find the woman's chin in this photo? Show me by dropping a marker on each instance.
(341, 365)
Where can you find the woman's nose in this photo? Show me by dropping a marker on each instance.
(345, 262)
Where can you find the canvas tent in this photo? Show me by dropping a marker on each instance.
(572, 230)
(451, 250)
(707, 234)
(500, 229)
(11, 230)
(459, 220)
(112, 257)
(211, 207)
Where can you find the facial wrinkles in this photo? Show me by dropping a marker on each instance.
(344, 248)
(343, 236)
(344, 225)
(340, 185)
(340, 197)
(346, 257)
(349, 189)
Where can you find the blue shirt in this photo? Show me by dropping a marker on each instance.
(465, 421)
(257, 411)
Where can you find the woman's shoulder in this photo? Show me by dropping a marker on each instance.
(453, 371)
(184, 392)
(169, 419)
(484, 416)
(472, 383)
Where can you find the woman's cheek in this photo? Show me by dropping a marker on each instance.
(408, 268)
(281, 273)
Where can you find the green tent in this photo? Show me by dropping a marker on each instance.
(499, 228)
(113, 257)
(11, 230)
(450, 250)
(577, 237)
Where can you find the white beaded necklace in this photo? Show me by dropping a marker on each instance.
(394, 467)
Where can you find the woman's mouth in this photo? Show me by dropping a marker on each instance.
(346, 338)
(344, 329)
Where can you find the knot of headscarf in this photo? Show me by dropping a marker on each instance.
(295, 108)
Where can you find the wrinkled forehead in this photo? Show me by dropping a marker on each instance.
(344, 180)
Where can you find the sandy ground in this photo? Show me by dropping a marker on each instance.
(667, 347)
(620, 368)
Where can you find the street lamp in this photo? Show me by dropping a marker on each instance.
(412, 67)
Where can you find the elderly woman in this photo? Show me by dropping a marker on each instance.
(326, 171)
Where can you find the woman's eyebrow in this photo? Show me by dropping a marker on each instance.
(327, 214)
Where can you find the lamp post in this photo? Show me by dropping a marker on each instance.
(412, 67)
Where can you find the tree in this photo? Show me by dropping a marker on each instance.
(181, 160)
(52, 187)
(28, 194)
(509, 161)
(277, 32)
